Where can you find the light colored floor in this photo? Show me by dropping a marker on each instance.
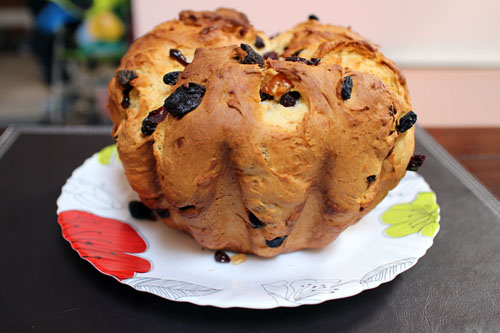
(22, 93)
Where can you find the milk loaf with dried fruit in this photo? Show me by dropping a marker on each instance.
(255, 144)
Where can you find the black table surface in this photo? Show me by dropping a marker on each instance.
(46, 286)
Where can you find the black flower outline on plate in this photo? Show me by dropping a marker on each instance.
(169, 289)
(311, 291)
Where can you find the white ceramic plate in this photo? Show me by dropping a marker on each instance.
(151, 257)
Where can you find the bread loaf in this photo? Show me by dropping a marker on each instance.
(255, 144)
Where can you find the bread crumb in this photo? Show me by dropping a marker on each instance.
(238, 258)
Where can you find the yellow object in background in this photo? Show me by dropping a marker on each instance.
(105, 26)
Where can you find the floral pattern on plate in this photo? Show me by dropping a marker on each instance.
(150, 257)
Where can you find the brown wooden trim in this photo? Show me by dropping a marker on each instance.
(477, 149)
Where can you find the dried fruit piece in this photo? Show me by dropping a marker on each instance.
(252, 57)
(152, 120)
(407, 121)
(177, 55)
(265, 97)
(238, 259)
(416, 162)
(163, 213)
(296, 54)
(371, 179)
(296, 59)
(290, 98)
(345, 93)
(184, 99)
(221, 256)
(243, 31)
(140, 211)
(126, 97)
(313, 17)
(392, 110)
(312, 62)
(171, 78)
(315, 61)
(276, 85)
(124, 76)
(276, 242)
(256, 223)
(259, 43)
(271, 55)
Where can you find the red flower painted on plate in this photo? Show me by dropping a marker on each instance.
(105, 242)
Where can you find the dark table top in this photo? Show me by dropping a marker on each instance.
(46, 286)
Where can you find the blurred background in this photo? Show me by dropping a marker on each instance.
(56, 57)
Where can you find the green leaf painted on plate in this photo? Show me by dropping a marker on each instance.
(104, 156)
(419, 216)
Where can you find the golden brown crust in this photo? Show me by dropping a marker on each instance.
(306, 171)
(223, 18)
